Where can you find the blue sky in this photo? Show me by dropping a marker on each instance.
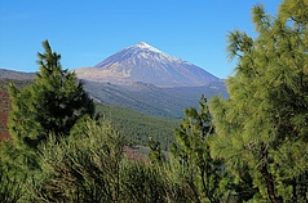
(86, 32)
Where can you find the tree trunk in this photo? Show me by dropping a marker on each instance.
(270, 185)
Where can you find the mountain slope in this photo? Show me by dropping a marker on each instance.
(136, 126)
(15, 75)
(149, 99)
(144, 63)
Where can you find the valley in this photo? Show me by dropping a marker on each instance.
(139, 111)
(140, 89)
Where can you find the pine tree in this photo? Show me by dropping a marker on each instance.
(155, 155)
(52, 104)
(204, 174)
(262, 128)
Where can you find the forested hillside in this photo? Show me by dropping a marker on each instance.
(251, 147)
(138, 127)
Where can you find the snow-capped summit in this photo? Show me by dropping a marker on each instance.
(144, 45)
(145, 63)
(149, 52)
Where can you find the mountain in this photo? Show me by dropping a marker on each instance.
(145, 79)
(146, 64)
(153, 100)
(15, 75)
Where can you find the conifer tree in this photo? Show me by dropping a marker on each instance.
(262, 128)
(52, 104)
(155, 155)
(204, 174)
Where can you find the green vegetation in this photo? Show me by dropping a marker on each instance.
(156, 155)
(139, 127)
(136, 126)
(203, 174)
(51, 105)
(4, 83)
(262, 129)
(91, 166)
(5, 102)
(251, 147)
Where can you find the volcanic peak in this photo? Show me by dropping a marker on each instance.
(145, 46)
(144, 63)
(149, 51)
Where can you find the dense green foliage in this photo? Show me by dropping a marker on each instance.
(12, 177)
(205, 176)
(193, 152)
(262, 127)
(139, 127)
(82, 168)
(91, 166)
(5, 102)
(253, 148)
(156, 155)
(52, 104)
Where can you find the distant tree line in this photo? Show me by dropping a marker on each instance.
(251, 147)
(138, 127)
